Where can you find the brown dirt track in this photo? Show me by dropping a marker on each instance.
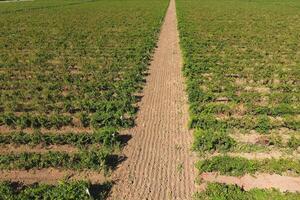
(49, 175)
(262, 181)
(159, 161)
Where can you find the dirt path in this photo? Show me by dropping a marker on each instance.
(50, 175)
(262, 181)
(160, 162)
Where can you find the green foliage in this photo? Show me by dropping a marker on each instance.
(217, 191)
(238, 166)
(207, 121)
(72, 64)
(242, 76)
(294, 142)
(34, 121)
(263, 124)
(279, 110)
(90, 67)
(85, 120)
(292, 123)
(92, 159)
(65, 190)
(105, 136)
(210, 141)
(228, 165)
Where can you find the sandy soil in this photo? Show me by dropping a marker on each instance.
(159, 161)
(259, 155)
(267, 155)
(263, 181)
(49, 176)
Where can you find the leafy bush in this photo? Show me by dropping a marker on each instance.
(207, 121)
(209, 141)
(84, 118)
(292, 123)
(65, 190)
(294, 142)
(36, 121)
(263, 124)
(92, 159)
(237, 166)
(105, 136)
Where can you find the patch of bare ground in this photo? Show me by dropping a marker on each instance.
(262, 181)
(284, 132)
(262, 89)
(261, 155)
(267, 155)
(222, 100)
(11, 148)
(241, 81)
(160, 164)
(50, 176)
(251, 138)
(254, 137)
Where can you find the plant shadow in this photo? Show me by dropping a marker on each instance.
(114, 160)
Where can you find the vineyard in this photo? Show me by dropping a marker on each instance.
(243, 77)
(69, 74)
(93, 105)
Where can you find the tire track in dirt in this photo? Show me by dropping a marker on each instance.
(160, 164)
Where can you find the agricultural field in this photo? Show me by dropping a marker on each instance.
(72, 95)
(69, 74)
(242, 64)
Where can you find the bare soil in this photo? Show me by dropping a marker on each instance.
(262, 181)
(50, 176)
(160, 164)
(262, 155)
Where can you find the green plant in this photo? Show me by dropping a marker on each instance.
(217, 191)
(237, 166)
(92, 159)
(263, 124)
(105, 136)
(63, 190)
(294, 142)
(210, 141)
(228, 165)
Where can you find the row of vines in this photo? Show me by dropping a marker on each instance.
(69, 74)
(241, 61)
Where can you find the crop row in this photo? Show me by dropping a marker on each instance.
(237, 166)
(92, 64)
(260, 123)
(71, 64)
(36, 121)
(97, 159)
(64, 190)
(242, 71)
(229, 192)
(211, 141)
(106, 137)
